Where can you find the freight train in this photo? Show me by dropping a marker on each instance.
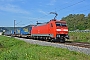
(54, 30)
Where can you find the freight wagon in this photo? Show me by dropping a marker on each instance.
(20, 32)
(23, 32)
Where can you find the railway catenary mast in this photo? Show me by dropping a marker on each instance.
(56, 30)
(14, 27)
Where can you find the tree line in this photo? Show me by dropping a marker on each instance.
(78, 21)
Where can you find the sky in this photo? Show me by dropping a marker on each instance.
(26, 12)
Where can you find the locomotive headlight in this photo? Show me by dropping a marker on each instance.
(61, 29)
(65, 29)
(58, 29)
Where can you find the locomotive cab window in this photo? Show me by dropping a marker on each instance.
(61, 24)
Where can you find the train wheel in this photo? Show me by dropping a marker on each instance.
(34, 38)
(47, 39)
(28, 37)
(19, 36)
(62, 40)
(37, 38)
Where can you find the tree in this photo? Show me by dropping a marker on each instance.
(77, 21)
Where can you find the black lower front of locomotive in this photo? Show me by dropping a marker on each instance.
(61, 37)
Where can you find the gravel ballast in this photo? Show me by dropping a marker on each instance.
(71, 48)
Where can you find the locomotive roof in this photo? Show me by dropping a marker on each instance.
(57, 21)
(61, 21)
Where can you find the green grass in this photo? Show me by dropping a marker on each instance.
(80, 37)
(13, 49)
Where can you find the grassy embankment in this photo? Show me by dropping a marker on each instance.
(80, 37)
(13, 49)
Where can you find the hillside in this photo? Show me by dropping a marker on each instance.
(78, 21)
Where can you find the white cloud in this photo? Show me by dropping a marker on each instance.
(52, 2)
(38, 19)
(12, 8)
(6, 5)
(43, 12)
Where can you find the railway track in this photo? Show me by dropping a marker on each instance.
(79, 44)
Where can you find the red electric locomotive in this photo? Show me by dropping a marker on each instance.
(52, 30)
